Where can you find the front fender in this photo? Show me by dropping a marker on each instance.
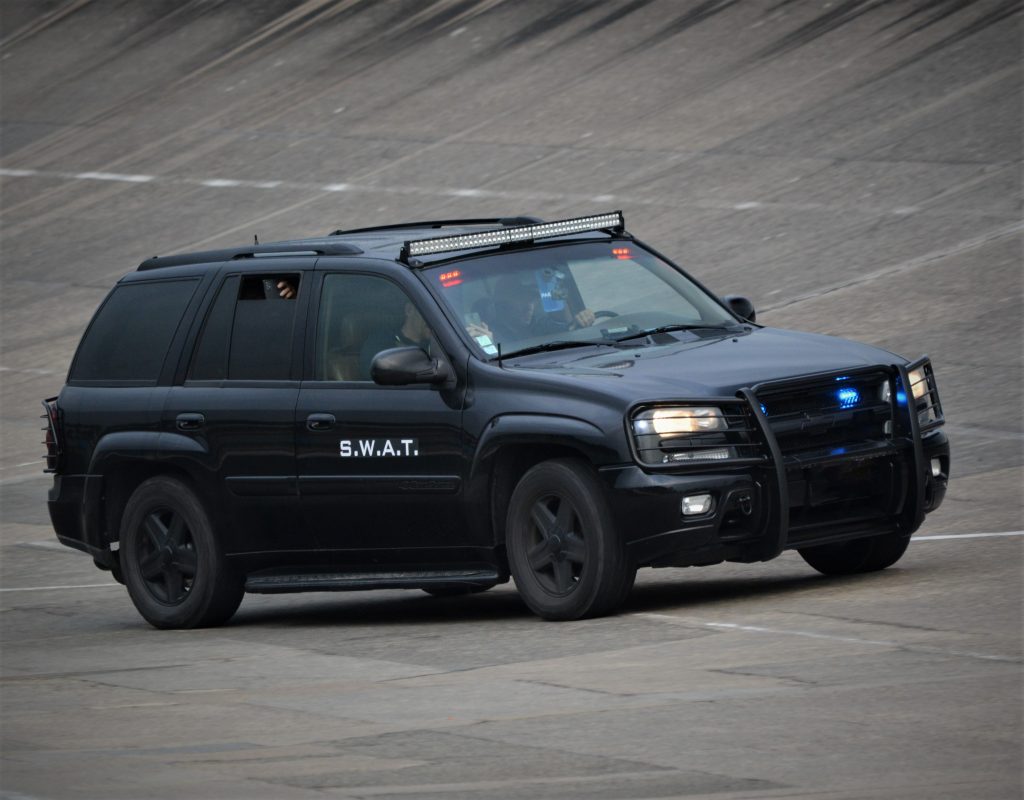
(543, 436)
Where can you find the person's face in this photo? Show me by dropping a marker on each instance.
(520, 306)
(415, 327)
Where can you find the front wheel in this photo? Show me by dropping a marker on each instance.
(176, 574)
(860, 555)
(567, 559)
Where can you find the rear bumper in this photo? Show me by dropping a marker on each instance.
(74, 506)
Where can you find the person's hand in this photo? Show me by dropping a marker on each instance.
(286, 290)
(476, 329)
(584, 319)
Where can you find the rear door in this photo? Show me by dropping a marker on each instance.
(236, 405)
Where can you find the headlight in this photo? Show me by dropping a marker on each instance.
(691, 435)
(918, 382)
(679, 421)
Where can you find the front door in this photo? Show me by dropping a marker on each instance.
(380, 467)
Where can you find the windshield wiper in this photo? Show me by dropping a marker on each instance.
(560, 344)
(669, 329)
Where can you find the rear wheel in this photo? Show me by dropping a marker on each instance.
(567, 559)
(860, 555)
(176, 574)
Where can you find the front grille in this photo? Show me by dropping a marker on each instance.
(829, 415)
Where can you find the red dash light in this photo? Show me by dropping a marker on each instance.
(449, 279)
(622, 253)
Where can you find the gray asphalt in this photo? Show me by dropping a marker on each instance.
(854, 167)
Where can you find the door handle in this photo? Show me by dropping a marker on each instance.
(189, 422)
(320, 422)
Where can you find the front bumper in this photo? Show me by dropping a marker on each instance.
(786, 501)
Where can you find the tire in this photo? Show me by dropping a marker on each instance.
(176, 574)
(860, 555)
(454, 590)
(566, 557)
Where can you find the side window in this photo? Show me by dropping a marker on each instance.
(129, 337)
(360, 315)
(248, 331)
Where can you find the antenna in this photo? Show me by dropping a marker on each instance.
(256, 240)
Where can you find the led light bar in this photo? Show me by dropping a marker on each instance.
(518, 233)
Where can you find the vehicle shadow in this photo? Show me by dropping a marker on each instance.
(656, 592)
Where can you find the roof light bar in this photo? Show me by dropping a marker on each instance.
(518, 233)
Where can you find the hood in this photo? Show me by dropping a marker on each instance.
(697, 366)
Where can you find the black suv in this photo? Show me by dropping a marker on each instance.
(443, 405)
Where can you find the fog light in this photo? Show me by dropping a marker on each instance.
(936, 468)
(697, 504)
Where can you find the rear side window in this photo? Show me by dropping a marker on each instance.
(249, 330)
(130, 334)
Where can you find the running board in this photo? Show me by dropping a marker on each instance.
(356, 581)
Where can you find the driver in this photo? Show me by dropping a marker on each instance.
(517, 313)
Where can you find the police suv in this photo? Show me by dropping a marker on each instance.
(444, 405)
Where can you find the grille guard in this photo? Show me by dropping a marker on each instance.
(906, 427)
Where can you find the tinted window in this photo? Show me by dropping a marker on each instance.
(248, 332)
(129, 337)
(360, 315)
(211, 356)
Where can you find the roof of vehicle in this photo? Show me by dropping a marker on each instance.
(392, 242)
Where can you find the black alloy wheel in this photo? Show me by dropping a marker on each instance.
(166, 556)
(566, 557)
(174, 567)
(555, 549)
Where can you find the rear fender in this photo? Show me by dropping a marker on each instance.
(143, 454)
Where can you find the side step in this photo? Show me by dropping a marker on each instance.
(355, 581)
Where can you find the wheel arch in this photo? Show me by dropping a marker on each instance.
(514, 443)
(120, 464)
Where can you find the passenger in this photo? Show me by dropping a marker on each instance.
(414, 333)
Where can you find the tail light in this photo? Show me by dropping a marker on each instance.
(51, 434)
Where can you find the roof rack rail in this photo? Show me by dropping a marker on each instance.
(612, 222)
(444, 223)
(253, 251)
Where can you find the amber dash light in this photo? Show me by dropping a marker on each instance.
(622, 253)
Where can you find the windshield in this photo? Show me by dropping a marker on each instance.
(567, 295)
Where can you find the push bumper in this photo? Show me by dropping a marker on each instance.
(788, 501)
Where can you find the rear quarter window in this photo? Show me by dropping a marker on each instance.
(129, 337)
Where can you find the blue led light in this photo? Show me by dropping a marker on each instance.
(764, 409)
(848, 397)
(901, 397)
(843, 378)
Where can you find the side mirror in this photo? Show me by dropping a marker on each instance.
(741, 306)
(401, 366)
